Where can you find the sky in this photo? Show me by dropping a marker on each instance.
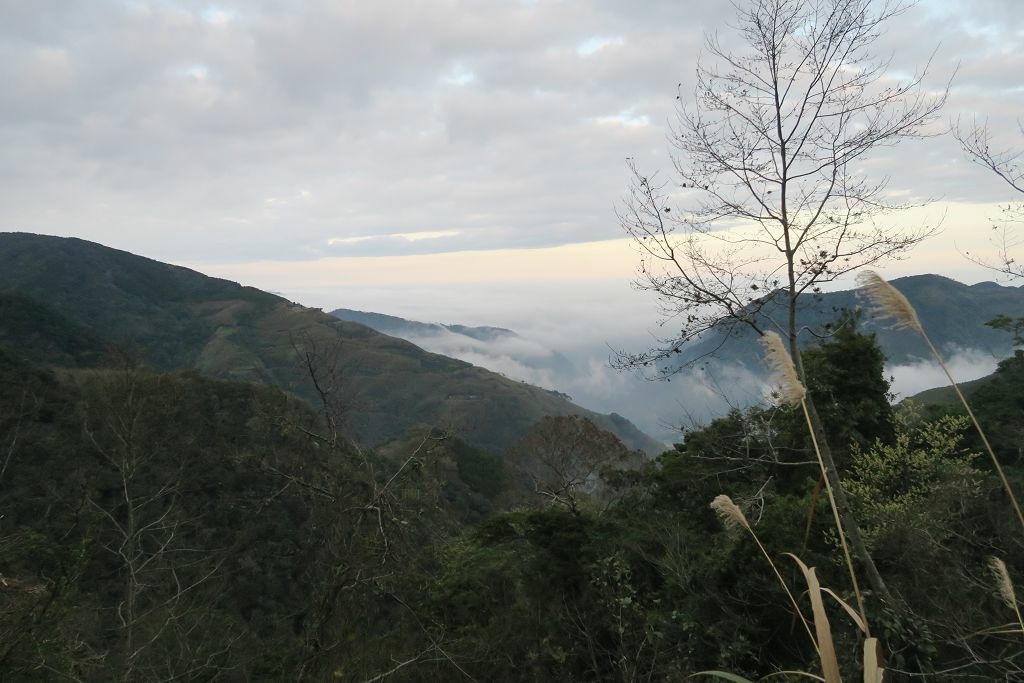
(444, 160)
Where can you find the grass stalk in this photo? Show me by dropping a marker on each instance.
(792, 391)
(732, 516)
(839, 526)
(977, 426)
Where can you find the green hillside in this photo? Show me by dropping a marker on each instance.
(168, 526)
(945, 395)
(46, 336)
(174, 318)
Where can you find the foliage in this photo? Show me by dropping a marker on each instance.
(1007, 324)
(251, 543)
(911, 491)
(159, 526)
(846, 376)
(1000, 403)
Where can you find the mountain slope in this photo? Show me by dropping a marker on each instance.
(177, 319)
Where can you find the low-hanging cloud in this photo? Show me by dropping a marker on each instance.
(964, 364)
(577, 365)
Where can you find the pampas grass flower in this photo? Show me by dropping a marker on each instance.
(889, 302)
(733, 518)
(791, 390)
(730, 513)
(1003, 583)
(1004, 587)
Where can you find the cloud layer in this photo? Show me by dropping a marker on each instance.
(252, 130)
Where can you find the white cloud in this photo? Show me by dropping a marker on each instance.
(963, 364)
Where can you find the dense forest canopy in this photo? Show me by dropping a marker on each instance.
(164, 525)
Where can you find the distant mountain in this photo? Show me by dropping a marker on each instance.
(953, 314)
(400, 327)
(94, 303)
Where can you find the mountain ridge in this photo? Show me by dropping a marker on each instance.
(953, 313)
(178, 319)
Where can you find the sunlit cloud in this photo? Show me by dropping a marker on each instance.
(407, 236)
(627, 118)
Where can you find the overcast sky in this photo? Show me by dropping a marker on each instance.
(451, 158)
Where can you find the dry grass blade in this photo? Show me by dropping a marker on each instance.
(791, 390)
(724, 675)
(734, 678)
(826, 648)
(874, 664)
(804, 674)
(849, 610)
(839, 524)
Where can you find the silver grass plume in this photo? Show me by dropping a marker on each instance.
(730, 512)
(888, 301)
(1003, 583)
(791, 391)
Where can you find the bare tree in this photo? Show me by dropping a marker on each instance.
(144, 529)
(772, 198)
(1008, 165)
(362, 537)
(568, 458)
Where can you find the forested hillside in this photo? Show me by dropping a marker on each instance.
(160, 526)
(176, 319)
(171, 526)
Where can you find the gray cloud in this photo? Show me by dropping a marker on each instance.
(242, 130)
